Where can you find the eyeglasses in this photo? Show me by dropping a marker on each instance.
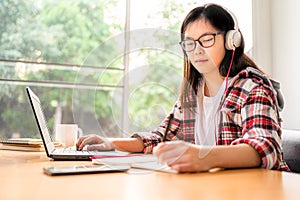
(205, 41)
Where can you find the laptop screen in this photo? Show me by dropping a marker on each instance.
(41, 120)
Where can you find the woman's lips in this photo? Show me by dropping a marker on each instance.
(201, 60)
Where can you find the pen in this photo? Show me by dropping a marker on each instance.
(168, 127)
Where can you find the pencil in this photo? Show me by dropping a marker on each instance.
(168, 127)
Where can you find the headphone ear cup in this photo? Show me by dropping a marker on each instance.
(233, 39)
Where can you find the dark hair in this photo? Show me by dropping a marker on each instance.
(222, 20)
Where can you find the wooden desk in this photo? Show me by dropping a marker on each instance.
(22, 178)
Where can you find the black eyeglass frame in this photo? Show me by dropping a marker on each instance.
(198, 40)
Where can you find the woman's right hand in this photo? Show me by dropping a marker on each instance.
(94, 142)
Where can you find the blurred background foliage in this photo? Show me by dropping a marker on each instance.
(48, 40)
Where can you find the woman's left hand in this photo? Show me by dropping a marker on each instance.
(181, 156)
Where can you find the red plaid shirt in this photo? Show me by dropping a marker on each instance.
(248, 114)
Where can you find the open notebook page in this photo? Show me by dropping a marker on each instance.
(148, 162)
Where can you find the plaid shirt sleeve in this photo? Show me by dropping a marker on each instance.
(152, 138)
(250, 116)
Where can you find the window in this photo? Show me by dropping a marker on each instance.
(109, 66)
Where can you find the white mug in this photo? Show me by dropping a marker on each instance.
(67, 134)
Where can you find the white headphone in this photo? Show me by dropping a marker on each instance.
(233, 37)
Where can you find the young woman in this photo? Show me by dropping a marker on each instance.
(227, 115)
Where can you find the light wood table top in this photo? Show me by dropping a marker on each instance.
(22, 177)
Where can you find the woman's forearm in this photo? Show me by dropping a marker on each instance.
(233, 156)
(128, 144)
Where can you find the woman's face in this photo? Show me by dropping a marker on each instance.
(205, 60)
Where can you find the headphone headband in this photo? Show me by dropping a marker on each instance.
(236, 25)
(233, 37)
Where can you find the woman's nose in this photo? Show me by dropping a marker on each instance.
(198, 49)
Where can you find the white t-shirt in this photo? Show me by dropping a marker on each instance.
(207, 117)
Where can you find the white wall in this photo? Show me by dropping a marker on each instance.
(276, 41)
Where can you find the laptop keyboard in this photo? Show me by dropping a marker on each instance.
(72, 150)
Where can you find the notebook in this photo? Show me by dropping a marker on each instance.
(50, 149)
(138, 161)
(22, 144)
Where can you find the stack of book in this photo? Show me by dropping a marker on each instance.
(22, 144)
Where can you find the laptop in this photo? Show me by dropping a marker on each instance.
(60, 153)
